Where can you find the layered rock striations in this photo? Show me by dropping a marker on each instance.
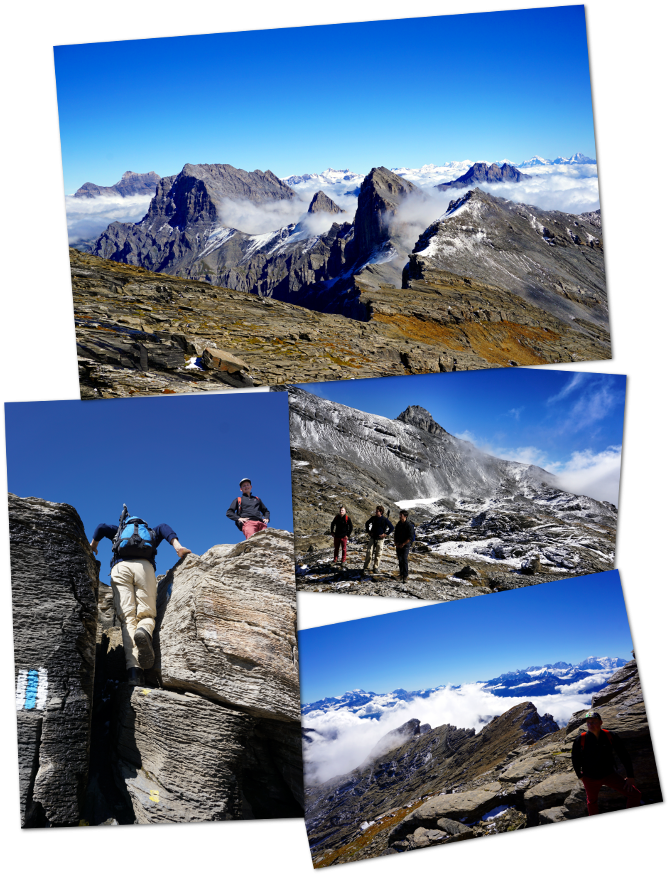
(214, 735)
(217, 734)
(515, 773)
(482, 523)
(54, 600)
(552, 260)
(130, 184)
(481, 172)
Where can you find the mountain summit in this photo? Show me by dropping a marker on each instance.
(415, 415)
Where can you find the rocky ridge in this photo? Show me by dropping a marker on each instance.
(480, 172)
(482, 524)
(515, 773)
(130, 184)
(550, 259)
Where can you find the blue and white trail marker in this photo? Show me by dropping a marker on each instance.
(31, 689)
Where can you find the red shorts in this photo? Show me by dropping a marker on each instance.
(614, 781)
(252, 526)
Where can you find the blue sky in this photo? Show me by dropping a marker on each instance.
(467, 640)
(548, 418)
(296, 100)
(176, 461)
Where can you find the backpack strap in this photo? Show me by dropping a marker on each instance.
(583, 739)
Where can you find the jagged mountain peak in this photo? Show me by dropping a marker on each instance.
(415, 415)
(321, 203)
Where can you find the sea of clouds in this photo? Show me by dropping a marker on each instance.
(344, 739)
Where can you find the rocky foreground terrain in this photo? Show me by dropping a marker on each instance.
(447, 784)
(215, 734)
(142, 333)
(483, 524)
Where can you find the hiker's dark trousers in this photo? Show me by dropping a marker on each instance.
(614, 781)
(403, 559)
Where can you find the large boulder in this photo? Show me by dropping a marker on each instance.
(227, 626)
(218, 736)
(54, 600)
(467, 806)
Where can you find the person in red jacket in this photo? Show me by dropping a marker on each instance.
(593, 761)
(341, 529)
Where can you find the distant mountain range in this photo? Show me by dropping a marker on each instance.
(130, 184)
(531, 682)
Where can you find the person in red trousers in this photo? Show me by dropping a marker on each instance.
(248, 512)
(341, 529)
(593, 761)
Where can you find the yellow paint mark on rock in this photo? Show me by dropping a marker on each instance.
(145, 691)
(154, 795)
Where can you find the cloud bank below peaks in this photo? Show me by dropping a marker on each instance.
(343, 739)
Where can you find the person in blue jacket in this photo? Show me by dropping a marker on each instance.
(134, 589)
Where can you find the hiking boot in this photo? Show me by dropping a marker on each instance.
(135, 677)
(145, 648)
(404, 580)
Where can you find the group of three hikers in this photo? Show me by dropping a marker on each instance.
(377, 528)
(134, 547)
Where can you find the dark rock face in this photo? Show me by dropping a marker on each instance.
(382, 192)
(54, 593)
(482, 172)
(321, 203)
(130, 184)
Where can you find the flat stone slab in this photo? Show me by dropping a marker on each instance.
(219, 360)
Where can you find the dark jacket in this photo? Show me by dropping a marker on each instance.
(163, 532)
(596, 759)
(404, 532)
(341, 526)
(247, 506)
(378, 526)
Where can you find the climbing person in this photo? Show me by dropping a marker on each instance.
(248, 512)
(403, 536)
(377, 528)
(593, 761)
(341, 528)
(133, 573)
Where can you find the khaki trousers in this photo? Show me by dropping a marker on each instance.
(134, 588)
(374, 552)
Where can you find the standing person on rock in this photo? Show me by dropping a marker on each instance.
(341, 528)
(404, 537)
(248, 512)
(377, 528)
(134, 547)
(593, 761)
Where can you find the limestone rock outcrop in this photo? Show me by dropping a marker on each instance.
(54, 599)
(216, 734)
(227, 630)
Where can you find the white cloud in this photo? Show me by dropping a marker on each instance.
(591, 474)
(89, 217)
(348, 737)
(573, 383)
